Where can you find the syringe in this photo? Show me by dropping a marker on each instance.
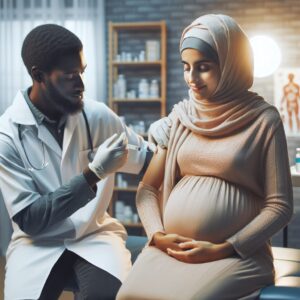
(151, 147)
(133, 147)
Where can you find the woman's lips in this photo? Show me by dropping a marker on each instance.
(197, 89)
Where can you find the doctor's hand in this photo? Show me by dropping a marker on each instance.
(195, 252)
(159, 132)
(111, 155)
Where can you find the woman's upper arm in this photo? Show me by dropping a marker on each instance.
(155, 172)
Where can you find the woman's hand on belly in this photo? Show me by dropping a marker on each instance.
(164, 241)
(200, 251)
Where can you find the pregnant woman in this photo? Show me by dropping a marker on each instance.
(226, 185)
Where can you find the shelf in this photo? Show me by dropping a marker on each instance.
(125, 189)
(137, 63)
(138, 26)
(137, 68)
(132, 38)
(133, 225)
(126, 100)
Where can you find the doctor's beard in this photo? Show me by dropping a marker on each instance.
(63, 103)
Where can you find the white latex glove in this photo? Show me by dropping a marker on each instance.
(110, 156)
(159, 132)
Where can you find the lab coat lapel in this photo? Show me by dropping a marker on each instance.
(21, 114)
(48, 139)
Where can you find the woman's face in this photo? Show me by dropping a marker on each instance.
(201, 74)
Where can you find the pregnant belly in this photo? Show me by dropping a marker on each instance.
(208, 208)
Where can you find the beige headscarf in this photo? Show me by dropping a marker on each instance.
(231, 106)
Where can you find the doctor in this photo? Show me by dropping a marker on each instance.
(58, 155)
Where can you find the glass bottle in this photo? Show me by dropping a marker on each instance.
(154, 89)
(121, 86)
(143, 89)
(128, 214)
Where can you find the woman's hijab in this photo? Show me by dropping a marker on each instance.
(232, 105)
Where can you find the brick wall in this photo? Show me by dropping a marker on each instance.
(276, 18)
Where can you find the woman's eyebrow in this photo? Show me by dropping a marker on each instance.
(199, 61)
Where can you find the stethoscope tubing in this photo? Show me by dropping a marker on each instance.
(89, 136)
(44, 165)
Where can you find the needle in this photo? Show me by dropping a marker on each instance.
(150, 148)
(133, 147)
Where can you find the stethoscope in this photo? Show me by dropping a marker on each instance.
(90, 154)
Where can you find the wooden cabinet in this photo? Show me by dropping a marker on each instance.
(131, 38)
(137, 91)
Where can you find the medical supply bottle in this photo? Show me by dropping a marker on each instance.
(128, 213)
(297, 160)
(121, 86)
(143, 89)
(154, 89)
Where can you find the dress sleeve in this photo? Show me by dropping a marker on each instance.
(278, 202)
(147, 203)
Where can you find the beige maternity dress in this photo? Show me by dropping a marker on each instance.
(235, 188)
(226, 178)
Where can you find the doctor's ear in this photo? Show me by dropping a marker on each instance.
(37, 74)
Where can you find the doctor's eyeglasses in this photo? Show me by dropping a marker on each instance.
(32, 167)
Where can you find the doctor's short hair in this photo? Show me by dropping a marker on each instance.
(45, 44)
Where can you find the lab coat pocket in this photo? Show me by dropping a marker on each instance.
(83, 158)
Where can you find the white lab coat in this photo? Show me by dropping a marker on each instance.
(90, 232)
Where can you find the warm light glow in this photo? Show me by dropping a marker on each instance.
(267, 55)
